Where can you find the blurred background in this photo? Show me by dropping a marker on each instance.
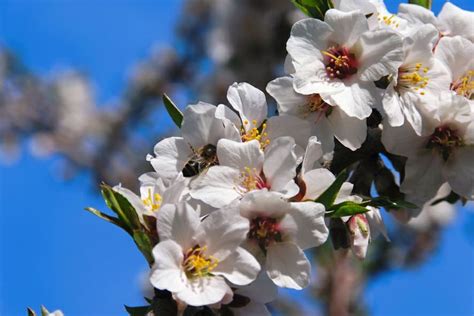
(80, 103)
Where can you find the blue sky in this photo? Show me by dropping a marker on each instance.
(54, 253)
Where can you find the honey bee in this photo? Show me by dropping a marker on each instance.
(202, 159)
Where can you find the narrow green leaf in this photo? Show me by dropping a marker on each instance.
(175, 114)
(144, 243)
(106, 217)
(138, 310)
(347, 208)
(328, 197)
(122, 207)
(30, 312)
(314, 8)
(382, 201)
(424, 3)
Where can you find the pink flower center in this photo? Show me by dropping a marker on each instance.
(444, 140)
(264, 230)
(340, 62)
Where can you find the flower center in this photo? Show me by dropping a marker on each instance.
(152, 201)
(255, 132)
(315, 104)
(413, 78)
(197, 264)
(444, 140)
(389, 20)
(251, 179)
(465, 85)
(340, 62)
(264, 230)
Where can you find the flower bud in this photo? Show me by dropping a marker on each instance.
(359, 232)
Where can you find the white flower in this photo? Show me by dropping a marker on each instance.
(340, 58)
(327, 121)
(154, 192)
(252, 121)
(243, 168)
(280, 231)
(193, 259)
(456, 53)
(195, 150)
(383, 19)
(451, 21)
(419, 79)
(443, 155)
(365, 6)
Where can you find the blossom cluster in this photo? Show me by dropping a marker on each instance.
(240, 195)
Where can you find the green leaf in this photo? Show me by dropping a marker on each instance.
(144, 243)
(314, 8)
(138, 310)
(30, 312)
(424, 3)
(175, 114)
(106, 217)
(382, 201)
(122, 207)
(347, 208)
(328, 197)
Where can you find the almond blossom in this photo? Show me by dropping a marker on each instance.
(194, 259)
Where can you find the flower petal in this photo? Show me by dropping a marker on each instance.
(166, 273)
(240, 155)
(288, 266)
(240, 267)
(203, 291)
(249, 101)
(350, 131)
(312, 230)
(279, 166)
(172, 154)
(347, 26)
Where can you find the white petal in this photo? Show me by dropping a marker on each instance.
(347, 26)
(279, 166)
(416, 14)
(249, 101)
(225, 113)
(312, 78)
(376, 223)
(452, 21)
(380, 54)
(172, 154)
(217, 187)
(308, 37)
(324, 131)
(392, 106)
(356, 99)
(317, 181)
(418, 46)
(350, 131)
(312, 230)
(240, 155)
(222, 232)
(456, 54)
(460, 172)
(288, 266)
(312, 154)
(288, 100)
(240, 267)
(262, 290)
(203, 291)
(402, 140)
(178, 222)
(201, 127)
(166, 273)
(292, 126)
(263, 203)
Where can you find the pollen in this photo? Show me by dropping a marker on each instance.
(315, 104)
(256, 132)
(251, 179)
(152, 201)
(413, 78)
(464, 86)
(196, 264)
(340, 62)
(389, 20)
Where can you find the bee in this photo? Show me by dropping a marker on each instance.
(202, 159)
